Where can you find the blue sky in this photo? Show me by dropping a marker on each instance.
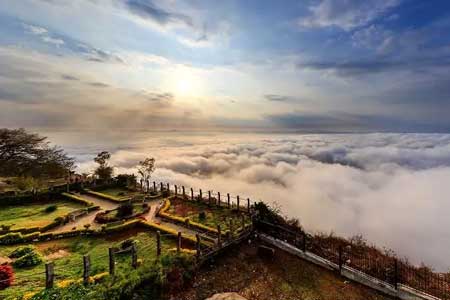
(317, 65)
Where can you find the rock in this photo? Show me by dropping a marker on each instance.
(226, 296)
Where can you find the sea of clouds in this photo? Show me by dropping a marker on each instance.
(394, 189)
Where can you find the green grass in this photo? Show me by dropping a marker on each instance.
(67, 254)
(118, 192)
(32, 215)
(213, 215)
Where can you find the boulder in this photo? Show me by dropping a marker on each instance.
(226, 296)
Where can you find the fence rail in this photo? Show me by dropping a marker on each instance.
(386, 268)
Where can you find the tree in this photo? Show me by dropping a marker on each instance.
(146, 168)
(103, 171)
(24, 154)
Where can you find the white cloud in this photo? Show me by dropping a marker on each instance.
(392, 188)
(345, 14)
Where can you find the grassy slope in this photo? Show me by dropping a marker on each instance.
(116, 191)
(286, 277)
(214, 215)
(68, 256)
(31, 215)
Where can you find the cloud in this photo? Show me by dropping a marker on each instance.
(345, 14)
(277, 98)
(98, 84)
(69, 77)
(389, 187)
(43, 34)
(149, 11)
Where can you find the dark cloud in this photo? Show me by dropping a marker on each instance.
(158, 97)
(69, 77)
(148, 10)
(277, 98)
(98, 84)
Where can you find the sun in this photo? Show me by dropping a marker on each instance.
(186, 83)
(184, 87)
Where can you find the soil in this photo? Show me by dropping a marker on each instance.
(283, 277)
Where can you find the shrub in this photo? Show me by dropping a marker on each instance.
(202, 216)
(10, 238)
(28, 260)
(126, 244)
(6, 276)
(125, 210)
(51, 208)
(121, 194)
(21, 251)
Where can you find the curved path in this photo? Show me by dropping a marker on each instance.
(108, 205)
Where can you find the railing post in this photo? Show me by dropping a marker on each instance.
(112, 263)
(179, 242)
(229, 203)
(49, 275)
(184, 191)
(134, 257)
(176, 190)
(304, 241)
(162, 188)
(168, 187)
(86, 268)
(248, 205)
(218, 199)
(340, 259)
(192, 194)
(237, 203)
(396, 273)
(198, 253)
(158, 243)
(154, 186)
(148, 186)
(201, 197)
(142, 184)
(209, 198)
(219, 236)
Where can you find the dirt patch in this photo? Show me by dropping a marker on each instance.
(5, 260)
(285, 277)
(58, 254)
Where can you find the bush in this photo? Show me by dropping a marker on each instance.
(125, 210)
(28, 260)
(202, 216)
(51, 208)
(126, 244)
(21, 251)
(6, 276)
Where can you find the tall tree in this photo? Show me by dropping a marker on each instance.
(29, 154)
(104, 171)
(146, 168)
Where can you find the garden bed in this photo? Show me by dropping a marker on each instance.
(138, 209)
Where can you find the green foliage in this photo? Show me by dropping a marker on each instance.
(125, 210)
(103, 171)
(26, 183)
(21, 251)
(202, 216)
(126, 180)
(28, 260)
(51, 208)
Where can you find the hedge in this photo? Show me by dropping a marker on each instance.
(77, 199)
(107, 197)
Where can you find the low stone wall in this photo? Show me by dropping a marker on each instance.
(402, 292)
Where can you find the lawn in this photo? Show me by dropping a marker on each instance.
(32, 215)
(67, 254)
(213, 215)
(118, 192)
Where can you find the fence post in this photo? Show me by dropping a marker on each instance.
(201, 197)
(112, 263)
(134, 257)
(209, 198)
(304, 241)
(396, 273)
(248, 205)
(184, 191)
(197, 236)
(158, 243)
(176, 190)
(238, 203)
(142, 183)
(161, 186)
(49, 275)
(218, 199)
(340, 259)
(86, 268)
(192, 194)
(148, 186)
(154, 186)
(179, 242)
(168, 187)
(228, 197)
(219, 236)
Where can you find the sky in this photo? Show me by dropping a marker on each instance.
(303, 66)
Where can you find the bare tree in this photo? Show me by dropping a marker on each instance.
(146, 168)
(104, 171)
